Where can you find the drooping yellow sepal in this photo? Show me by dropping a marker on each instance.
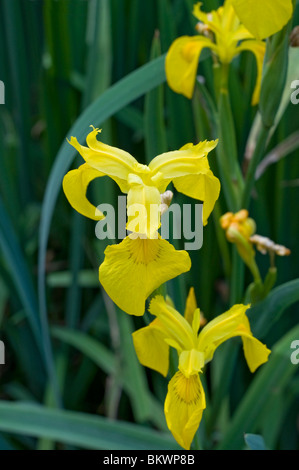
(150, 346)
(184, 404)
(75, 184)
(182, 62)
(133, 269)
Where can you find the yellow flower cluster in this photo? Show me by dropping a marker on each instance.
(133, 269)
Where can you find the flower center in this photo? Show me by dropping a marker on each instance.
(187, 390)
(144, 251)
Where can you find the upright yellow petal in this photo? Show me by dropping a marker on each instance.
(184, 404)
(150, 346)
(211, 19)
(133, 269)
(175, 326)
(182, 62)
(263, 17)
(191, 362)
(75, 184)
(228, 325)
(191, 306)
(258, 48)
(143, 207)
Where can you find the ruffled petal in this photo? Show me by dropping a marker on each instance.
(111, 161)
(133, 269)
(203, 186)
(263, 17)
(182, 62)
(184, 404)
(75, 184)
(190, 159)
(228, 325)
(151, 349)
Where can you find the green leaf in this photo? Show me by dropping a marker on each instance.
(90, 347)
(132, 378)
(16, 264)
(271, 378)
(255, 442)
(155, 131)
(263, 315)
(86, 278)
(80, 429)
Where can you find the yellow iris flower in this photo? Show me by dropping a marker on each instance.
(224, 34)
(137, 266)
(185, 400)
(263, 17)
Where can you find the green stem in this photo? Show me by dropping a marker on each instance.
(256, 158)
(228, 143)
(237, 278)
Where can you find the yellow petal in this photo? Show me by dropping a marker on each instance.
(228, 325)
(111, 161)
(143, 207)
(133, 269)
(211, 19)
(151, 349)
(176, 328)
(263, 17)
(184, 404)
(203, 186)
(255, 352)
(190, 159)
(190, 172)
(258, 48)
(182, 62)
(191, 306)
(191, 362)
(75, 185)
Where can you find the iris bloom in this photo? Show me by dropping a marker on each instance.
(143, 261)
(263, 17)
(185, 400)
(224, 35)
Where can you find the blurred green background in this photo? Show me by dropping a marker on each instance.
(71, 378)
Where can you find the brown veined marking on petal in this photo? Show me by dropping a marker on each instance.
(144, 251)
(187, 389)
